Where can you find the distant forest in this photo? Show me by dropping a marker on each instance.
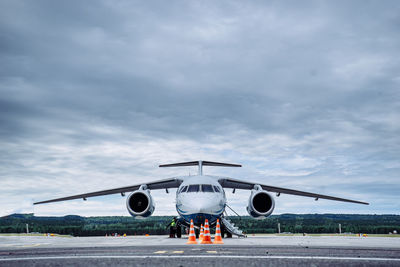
(157, 225)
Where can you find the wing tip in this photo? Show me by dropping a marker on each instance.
(40, 202)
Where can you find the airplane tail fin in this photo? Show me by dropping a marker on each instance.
(201, 163)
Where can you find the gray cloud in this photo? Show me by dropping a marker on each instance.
(96, 94)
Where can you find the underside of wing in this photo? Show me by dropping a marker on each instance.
(238, 184)
(161, 184)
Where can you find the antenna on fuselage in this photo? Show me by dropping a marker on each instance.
(200, 163)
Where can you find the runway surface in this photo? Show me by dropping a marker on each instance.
(162, 251)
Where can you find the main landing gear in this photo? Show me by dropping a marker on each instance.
(178, 231)
(225, 232)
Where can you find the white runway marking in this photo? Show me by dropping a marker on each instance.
(198, 256)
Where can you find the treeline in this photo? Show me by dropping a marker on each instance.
(157, 225)
(85, 226)
(321, 223)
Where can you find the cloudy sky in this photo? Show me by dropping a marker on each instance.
(95, 94)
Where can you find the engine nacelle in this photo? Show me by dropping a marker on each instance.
(140, 203)
(261, 204)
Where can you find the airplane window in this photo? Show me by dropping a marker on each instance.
(216, 189)
(194, 188)
(183, 189)
(206, 188)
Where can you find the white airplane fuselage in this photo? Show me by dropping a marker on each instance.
(200, 197)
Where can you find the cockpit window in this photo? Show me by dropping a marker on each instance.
(216, 188)
(183, 189)
(207, 188)
(193, 188)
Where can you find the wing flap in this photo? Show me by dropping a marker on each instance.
(238, 184)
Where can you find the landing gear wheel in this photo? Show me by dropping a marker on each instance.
(196, 232)
(178, 231)
(223, 231)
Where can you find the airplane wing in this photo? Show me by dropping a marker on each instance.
(238, 184)
(161, 184)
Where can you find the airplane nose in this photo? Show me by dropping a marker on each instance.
(204, 205)
(199, 207)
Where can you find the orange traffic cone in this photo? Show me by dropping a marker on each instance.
(201, 233)
(192, 236)
(218, 237)
(207, 236)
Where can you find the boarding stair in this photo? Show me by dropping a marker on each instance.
(230, 226)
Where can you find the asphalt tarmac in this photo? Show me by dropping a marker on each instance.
(162, 251)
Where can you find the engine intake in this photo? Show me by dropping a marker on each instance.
(261, 204)
(140, 204)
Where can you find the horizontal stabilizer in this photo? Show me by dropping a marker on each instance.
(200, 162)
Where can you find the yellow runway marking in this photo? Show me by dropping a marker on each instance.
(31, 245)
(212, 251)
(177, 251)
(160, 252)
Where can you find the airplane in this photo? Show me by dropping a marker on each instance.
(201, 197)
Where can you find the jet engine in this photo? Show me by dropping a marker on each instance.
(261, 204)
(140, 203)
